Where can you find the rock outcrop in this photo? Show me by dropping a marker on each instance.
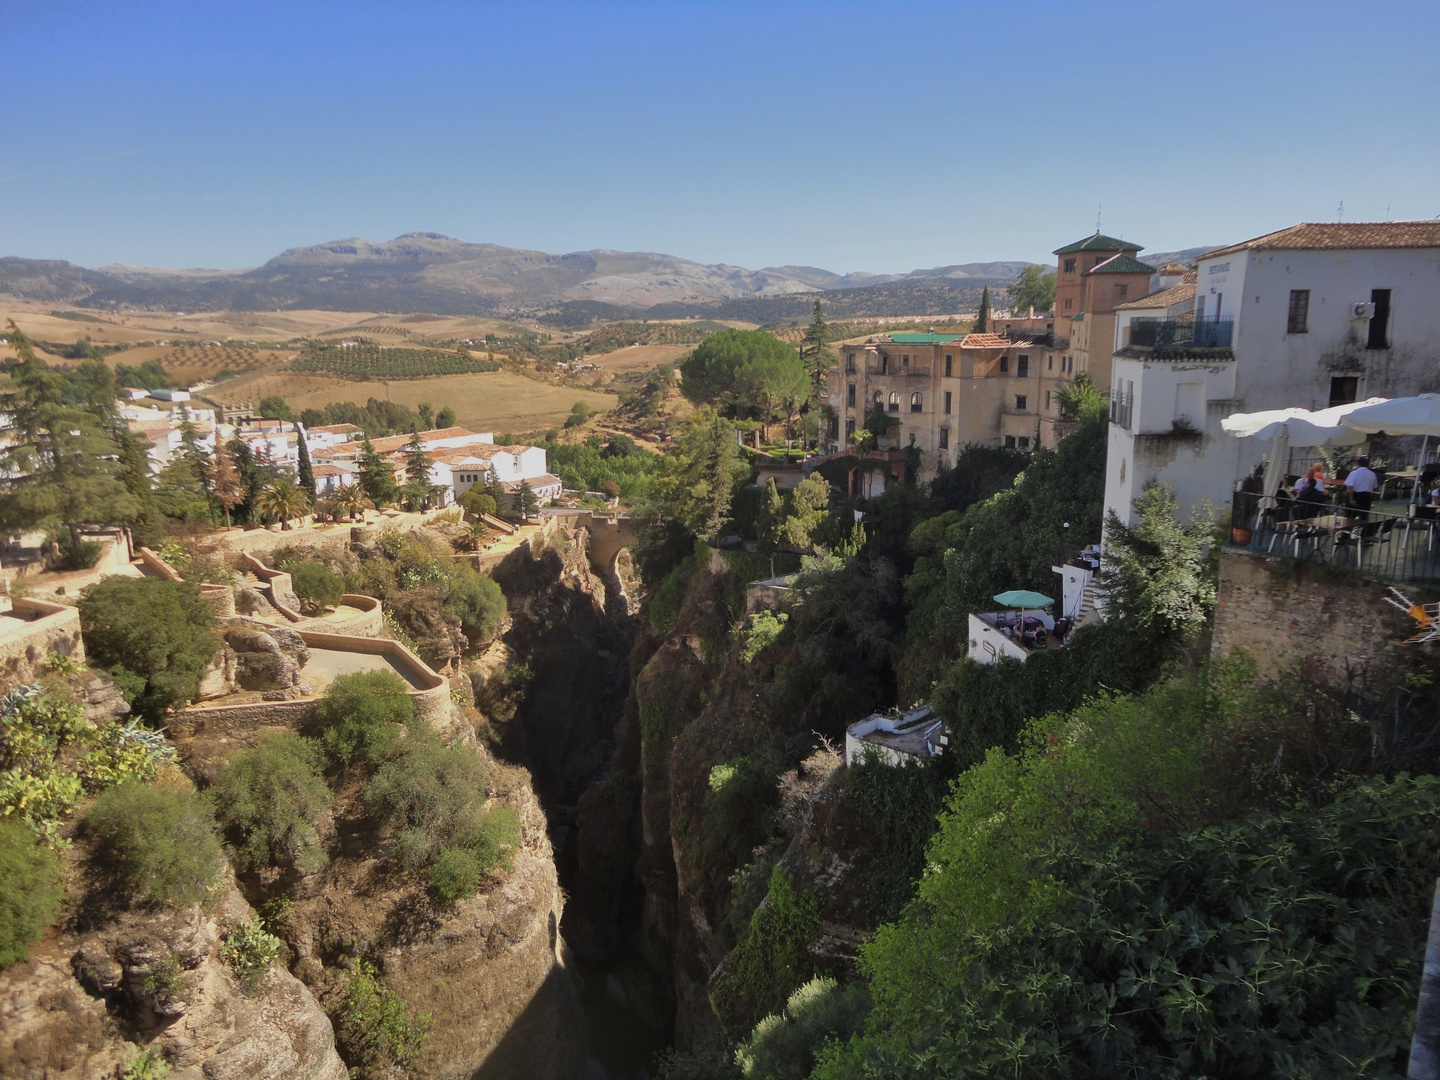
(84, 1006)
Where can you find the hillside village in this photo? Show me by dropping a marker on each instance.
(836, 716)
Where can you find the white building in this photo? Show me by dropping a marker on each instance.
(1311, 316)
(896, 738)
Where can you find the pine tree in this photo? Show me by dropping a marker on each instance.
(61, 466)
(226, 484)
(528, 502)
(770, 522)
(377, 478)
(427, 415)
(135, 468)
(982, 317)
(417, 474)
(303, 468)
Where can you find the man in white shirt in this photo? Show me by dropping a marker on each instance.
(1362, 483)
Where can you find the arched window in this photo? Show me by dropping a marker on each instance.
(894, 401)
(879, 398)
(916, 402)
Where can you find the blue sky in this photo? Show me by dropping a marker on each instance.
(880, 137)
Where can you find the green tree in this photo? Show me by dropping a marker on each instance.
(377, 476)
(282, 500)
(1080, 399)
(1155, 571)
(1033, 289)
(445, 418)
(814, 348)
(579, 413)
(744, 373)
(417, 488)
(477, 501)
(809, 507)
(982, 317)
(153, 637)
(700, 475)
(33, 892)
(271, 799)
(59, 466)
(350, 499)
(770, 523)
(427, 415)
(135, 470)
(273, 407)
(526, 499)
(304, 471)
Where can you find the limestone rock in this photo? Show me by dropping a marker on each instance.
(261, 661)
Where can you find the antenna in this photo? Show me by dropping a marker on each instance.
(1387, 213)
(1098, 208)
(1340, 211)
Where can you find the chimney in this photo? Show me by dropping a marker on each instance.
(1171, 274)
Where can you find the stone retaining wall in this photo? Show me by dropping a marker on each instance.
(245, 721)
(159, 565)
(370, 622)
(51, 628)
(1286, 612)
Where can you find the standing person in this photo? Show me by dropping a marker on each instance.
(1362, 483)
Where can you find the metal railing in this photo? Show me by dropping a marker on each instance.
(1387, 546)
(1159, 333)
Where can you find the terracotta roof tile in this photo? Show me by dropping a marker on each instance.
(1341, 236)
(1176, 294)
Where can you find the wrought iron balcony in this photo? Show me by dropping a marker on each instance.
(1161, 333)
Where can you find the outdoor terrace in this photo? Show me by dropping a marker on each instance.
(1016, 634)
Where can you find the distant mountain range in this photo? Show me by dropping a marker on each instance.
(430, 272)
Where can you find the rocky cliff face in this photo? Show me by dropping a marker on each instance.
(85, 1006)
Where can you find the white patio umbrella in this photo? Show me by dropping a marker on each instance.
(1418, 415)
(1299, 426)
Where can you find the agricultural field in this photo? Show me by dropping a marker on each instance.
(387, 362)
(639, 357)
(189, 364)
(491, 401)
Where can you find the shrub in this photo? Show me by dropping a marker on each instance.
(154, 637)
(434, 797)
(376, 1028)
(250, 950)
(361, 717)
(147, 1065)
(159, 844)
(320, 587)
(478, 501)
(31, 898)
(271, 799)
(478, 601)
(783, 1047)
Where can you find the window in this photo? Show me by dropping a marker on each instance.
(849, 427)
(1068, 305)
(884, 365)
(879, 398)
(1298, 321)
(905, 364)
(1344, 389)
(944, 438)
(949, 359)
(1200, 307)
(1024, 442)
(850, 363)
(894, 401)
(947, 402)
(1047, 400)
(1022, 367)
(916, 402)
(1069, 269)
(1019, 402)
(1004, 363)
(1010, 442)
(850, 396)
(1120, 291)
(1380, 321)
(1050, 362)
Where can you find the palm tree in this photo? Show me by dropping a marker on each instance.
(282, 500)
(351, 499)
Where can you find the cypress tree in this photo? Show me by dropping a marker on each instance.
(982, 317)
(377, 478)
(303, 467)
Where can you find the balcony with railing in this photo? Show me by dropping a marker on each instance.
(1381, 545)
(1165, 333)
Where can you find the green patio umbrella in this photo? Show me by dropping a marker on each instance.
(1023, 598)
